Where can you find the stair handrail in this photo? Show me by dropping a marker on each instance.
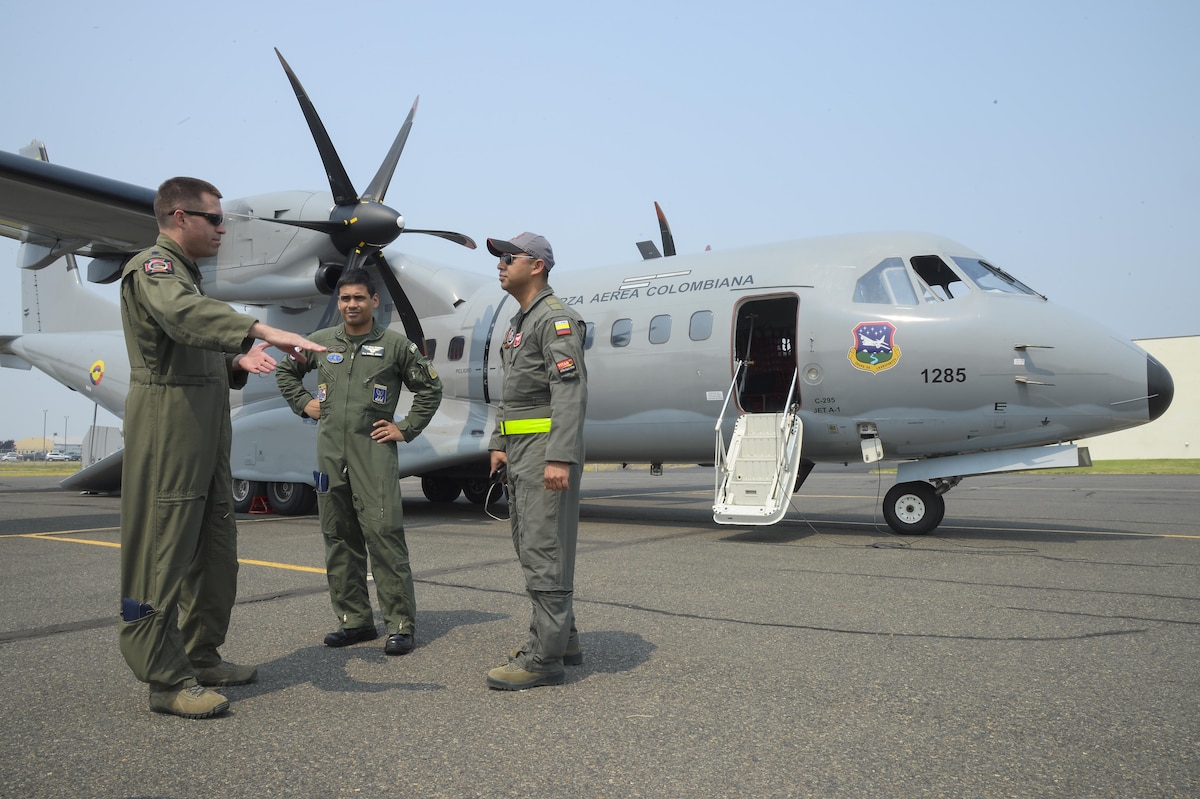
(720, 473)
(738, 364)
(787, 432)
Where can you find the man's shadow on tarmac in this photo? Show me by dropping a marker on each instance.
(326, 668)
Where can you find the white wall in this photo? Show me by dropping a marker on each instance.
(1175, 434)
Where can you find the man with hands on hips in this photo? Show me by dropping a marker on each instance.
(358, 482)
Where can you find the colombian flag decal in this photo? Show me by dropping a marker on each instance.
(96, 373)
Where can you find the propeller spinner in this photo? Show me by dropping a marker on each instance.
(360, 226)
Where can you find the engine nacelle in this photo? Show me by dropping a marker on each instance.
(262, 262)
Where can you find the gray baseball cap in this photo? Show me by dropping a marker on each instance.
(524, 244)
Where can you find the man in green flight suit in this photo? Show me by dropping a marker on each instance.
(178, 536)
(358, 480)
(539, 440)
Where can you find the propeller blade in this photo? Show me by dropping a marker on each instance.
(320, 225)
(404, 307)
(339, 181)
(379, 185)
(330, 315)
(667, 239)
(448, 235)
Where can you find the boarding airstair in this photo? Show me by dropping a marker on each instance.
(756, 473)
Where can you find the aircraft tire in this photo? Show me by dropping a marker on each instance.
(244, 492)
(476, 490)
(291, 499)
(913, 508)
(440, 489)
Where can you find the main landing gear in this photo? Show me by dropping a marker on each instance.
(917, 507)
(447, 489)
(286, 499)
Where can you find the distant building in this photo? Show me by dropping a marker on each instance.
(1175, 434)
(34, 444)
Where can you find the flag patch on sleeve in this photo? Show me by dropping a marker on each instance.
(562, 327)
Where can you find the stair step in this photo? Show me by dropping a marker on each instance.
(757, 471)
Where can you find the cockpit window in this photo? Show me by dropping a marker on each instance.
(886, 284)
(992, 278)
(942, 281)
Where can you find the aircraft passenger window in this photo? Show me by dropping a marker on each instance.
(943, 281)
(430, 347)
(589, 336)
(660, 329)
(886, 284)
(455, 351)
(992, 278)
(700, 328)
(622, 333)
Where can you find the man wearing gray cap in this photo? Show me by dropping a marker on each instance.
(539, 442)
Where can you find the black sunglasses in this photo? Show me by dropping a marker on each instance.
(215, 219)
(508, 258)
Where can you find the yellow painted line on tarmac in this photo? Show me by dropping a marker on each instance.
(55, 537)
(269, 564)
(287, 566)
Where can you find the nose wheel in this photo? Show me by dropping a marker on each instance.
(913, 508)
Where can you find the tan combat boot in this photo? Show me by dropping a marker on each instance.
(192, 702)
(512, 677)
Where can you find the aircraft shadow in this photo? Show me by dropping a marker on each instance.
(992, 531)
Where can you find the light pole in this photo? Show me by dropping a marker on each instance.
(44, 412)
(65, 418)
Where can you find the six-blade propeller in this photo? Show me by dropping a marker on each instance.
(360, 226)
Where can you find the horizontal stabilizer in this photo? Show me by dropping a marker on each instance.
(102, 477)
(10, 360)
(648, 250)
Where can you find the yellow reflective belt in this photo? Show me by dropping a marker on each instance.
(519, 427)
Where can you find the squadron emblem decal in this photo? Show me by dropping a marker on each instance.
(874, 347)
(96, 373)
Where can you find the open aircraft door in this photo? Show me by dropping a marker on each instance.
(764, 342)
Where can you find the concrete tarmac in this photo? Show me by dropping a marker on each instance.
(1042, 642)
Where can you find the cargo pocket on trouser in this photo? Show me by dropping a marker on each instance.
(146, 647)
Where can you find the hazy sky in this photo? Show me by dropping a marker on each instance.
(1060, 139)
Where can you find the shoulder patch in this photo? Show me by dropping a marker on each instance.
(158, 266)
(562, 327)
(553, 303)
(566, 367)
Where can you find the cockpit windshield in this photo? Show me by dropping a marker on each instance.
(992, 278)
(933, 280)
(886, 284)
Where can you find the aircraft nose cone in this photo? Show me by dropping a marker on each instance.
(1159, 386)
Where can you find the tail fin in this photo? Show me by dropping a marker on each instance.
(53, 297)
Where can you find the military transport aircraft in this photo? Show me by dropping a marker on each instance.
(762, 361)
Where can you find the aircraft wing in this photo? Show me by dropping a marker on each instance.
(64, 209)
(102, 477)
